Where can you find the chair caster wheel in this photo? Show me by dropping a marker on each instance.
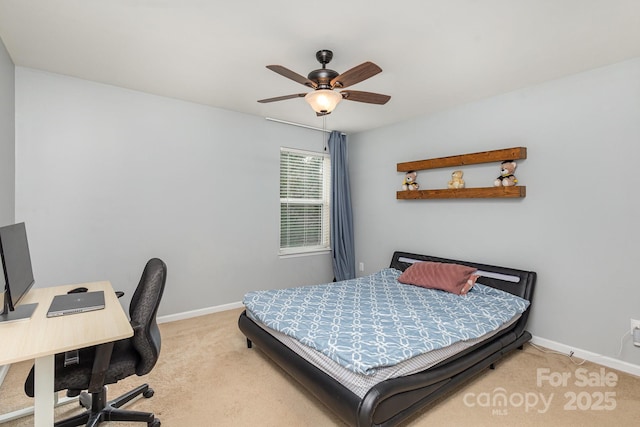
(84, 401)
(155, 423)
(148, 394)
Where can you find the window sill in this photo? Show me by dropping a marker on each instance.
(304, 253)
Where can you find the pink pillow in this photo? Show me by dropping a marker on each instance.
(455, 278)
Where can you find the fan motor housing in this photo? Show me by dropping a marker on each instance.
(322, 77)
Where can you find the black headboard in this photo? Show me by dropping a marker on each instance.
(514, 281)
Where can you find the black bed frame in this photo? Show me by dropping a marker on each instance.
(394, 400)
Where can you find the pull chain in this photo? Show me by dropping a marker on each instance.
(324, 132)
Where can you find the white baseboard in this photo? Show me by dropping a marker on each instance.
(199, 312)
(607, 361)
(3, 372)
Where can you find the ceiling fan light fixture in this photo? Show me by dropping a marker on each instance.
(323, 101)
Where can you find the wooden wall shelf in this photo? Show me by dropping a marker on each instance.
(516, 153)
(464, 193)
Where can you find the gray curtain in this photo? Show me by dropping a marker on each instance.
(342, 246)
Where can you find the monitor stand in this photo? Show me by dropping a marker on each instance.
(22, 312)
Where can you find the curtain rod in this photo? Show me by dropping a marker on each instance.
(299, 125)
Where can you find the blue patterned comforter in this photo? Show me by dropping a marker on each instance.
(376, 321)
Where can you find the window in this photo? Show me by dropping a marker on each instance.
(304, 201)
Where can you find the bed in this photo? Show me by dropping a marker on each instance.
(400, 392)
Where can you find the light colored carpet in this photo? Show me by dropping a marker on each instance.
(206, 376)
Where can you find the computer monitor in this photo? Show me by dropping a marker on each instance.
(18, 273)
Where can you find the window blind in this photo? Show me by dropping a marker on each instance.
(304, 201)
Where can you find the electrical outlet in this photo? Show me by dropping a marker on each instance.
(634, 324)
(362, 269)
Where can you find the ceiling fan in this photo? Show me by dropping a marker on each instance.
(324, 99)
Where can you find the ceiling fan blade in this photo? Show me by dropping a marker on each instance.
(356, 75)
(292, 75)
(282, 98)
(368, 97)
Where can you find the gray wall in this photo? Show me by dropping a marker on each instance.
(577, 226)
(7, 138)
(109, 177)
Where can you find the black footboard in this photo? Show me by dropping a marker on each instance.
(391, 401)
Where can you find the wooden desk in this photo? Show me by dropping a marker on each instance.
(40, 338)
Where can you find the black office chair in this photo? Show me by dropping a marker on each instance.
(111, 362)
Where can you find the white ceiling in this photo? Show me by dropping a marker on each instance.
(435, 54)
